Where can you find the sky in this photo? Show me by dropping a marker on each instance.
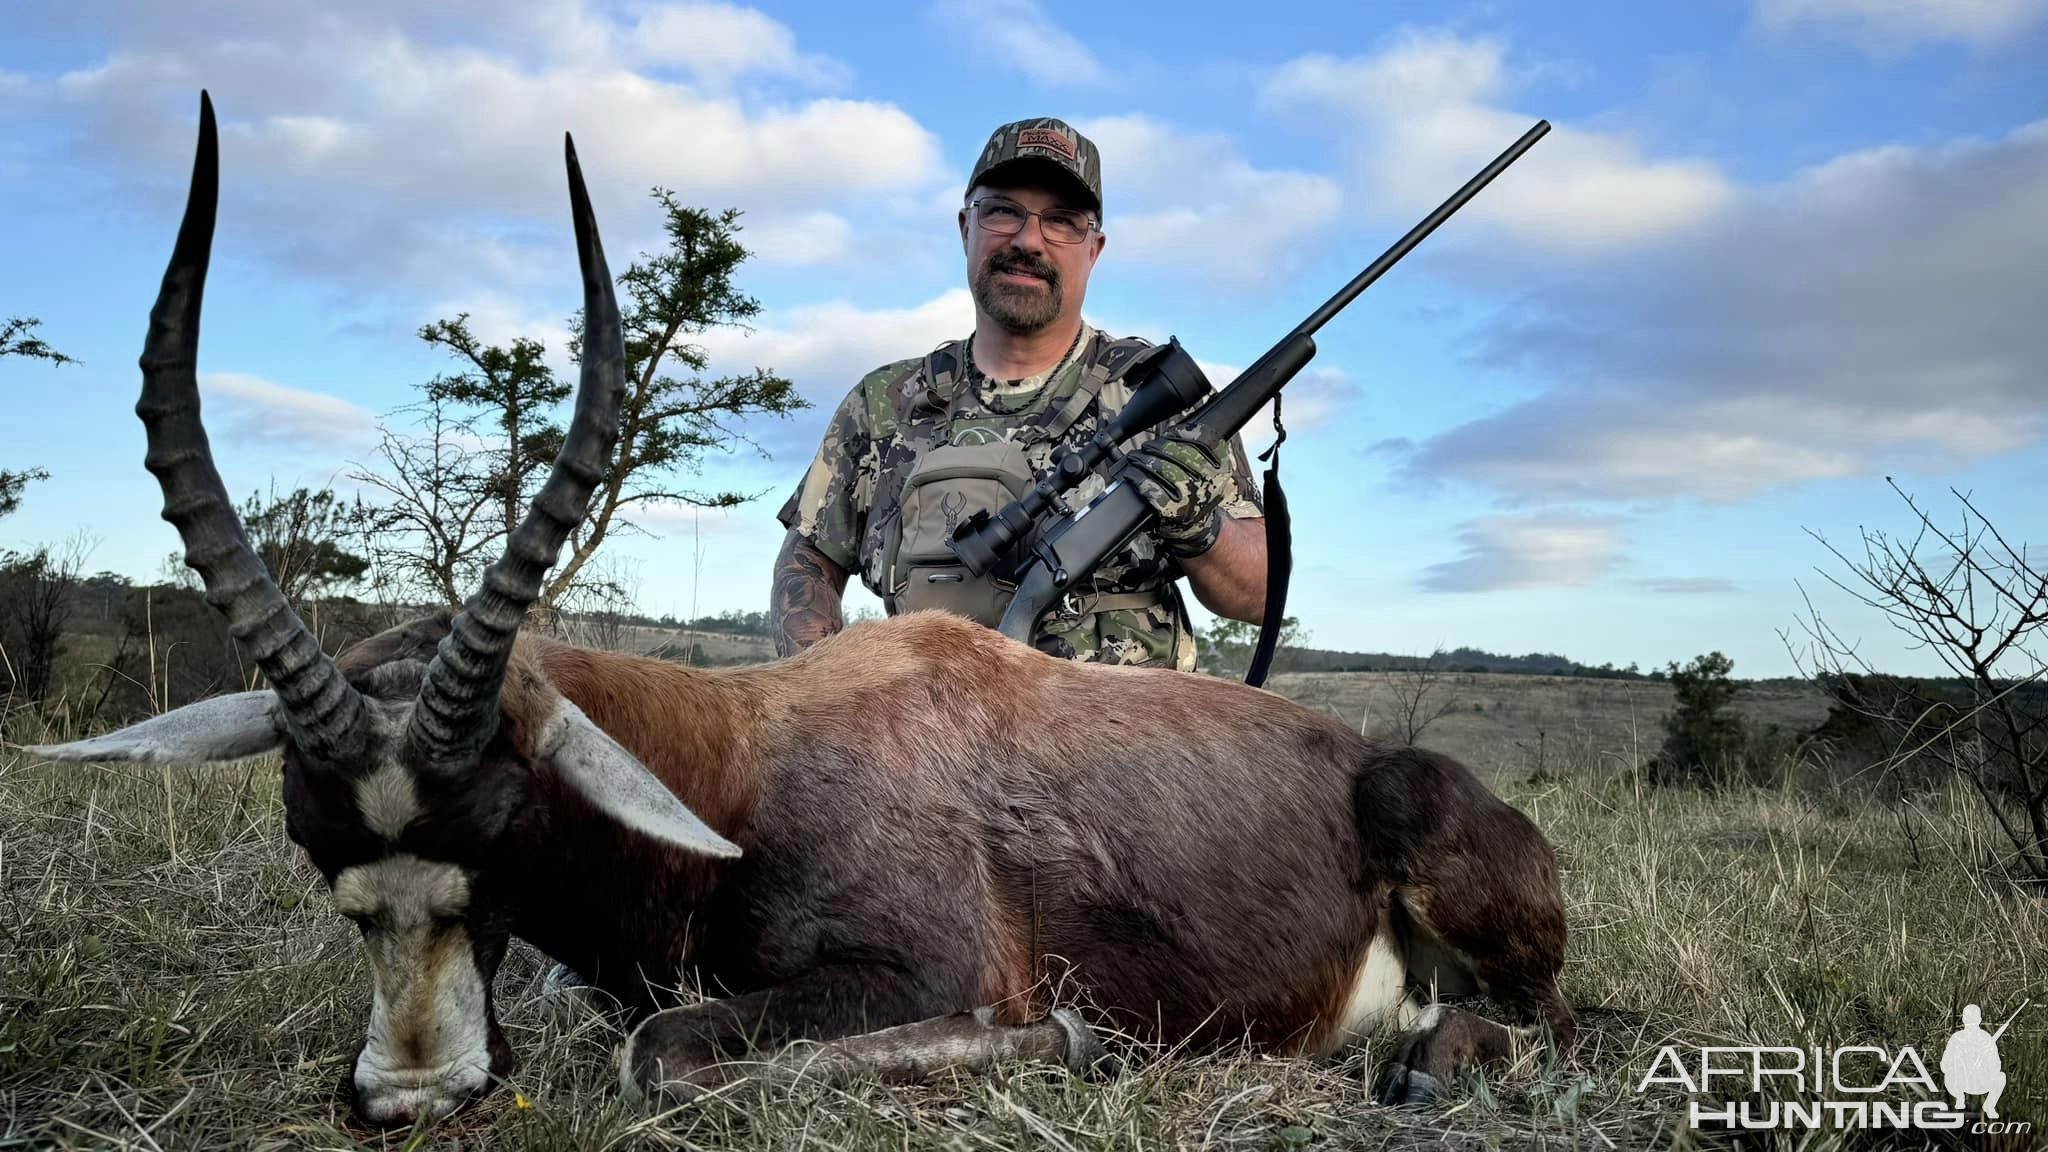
(1775, 257)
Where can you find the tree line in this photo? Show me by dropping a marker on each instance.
(1227, 647)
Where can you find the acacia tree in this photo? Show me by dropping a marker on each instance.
(12, 484)
(668, 422)
(17, 339)
(302, 538)
(1979, 603)
(427, 538)
(458, 486)
(492, 429)
(512, 392)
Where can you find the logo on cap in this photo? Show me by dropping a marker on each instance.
(1047, 138)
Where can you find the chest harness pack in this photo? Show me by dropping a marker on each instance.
(978, 459)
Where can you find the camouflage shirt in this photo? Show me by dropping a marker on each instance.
(848, 496)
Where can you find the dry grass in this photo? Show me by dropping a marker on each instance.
(171, 976)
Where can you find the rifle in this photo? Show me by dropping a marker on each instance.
(1167, 381)
(2008, 1020)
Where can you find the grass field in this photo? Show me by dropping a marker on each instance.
(1528, 725)
(172, 976)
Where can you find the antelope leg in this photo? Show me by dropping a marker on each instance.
(962, 1042)
(907, 1053)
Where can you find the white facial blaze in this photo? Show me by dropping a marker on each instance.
(428, 1046)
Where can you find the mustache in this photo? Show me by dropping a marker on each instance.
(1012, 260)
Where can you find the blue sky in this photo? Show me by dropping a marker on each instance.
(1775, 251)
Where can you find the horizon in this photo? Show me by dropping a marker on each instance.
(1774, 254)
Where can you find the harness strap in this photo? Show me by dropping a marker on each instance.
(1110, 364)
(1091, 386)
(1116, 601)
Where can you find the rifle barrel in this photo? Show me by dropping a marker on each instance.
(2009, 1019)
(1392, 256)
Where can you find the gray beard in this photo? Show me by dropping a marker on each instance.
(1017, 310)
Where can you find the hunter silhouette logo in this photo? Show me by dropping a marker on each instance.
(1851, 1086)
(1969, 1065)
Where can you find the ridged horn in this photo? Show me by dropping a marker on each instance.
(457, 710)
(323, 712)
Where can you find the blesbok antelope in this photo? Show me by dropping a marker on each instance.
(918, 843)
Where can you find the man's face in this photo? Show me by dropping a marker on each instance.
(1027, 282)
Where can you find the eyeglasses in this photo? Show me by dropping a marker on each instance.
(1001, 217)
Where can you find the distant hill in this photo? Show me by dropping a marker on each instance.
(737, 626)
(1454, 660)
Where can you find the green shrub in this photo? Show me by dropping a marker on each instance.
(1706, 743)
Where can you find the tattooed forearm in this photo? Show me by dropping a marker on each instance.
(1230, 578)
(804, 607)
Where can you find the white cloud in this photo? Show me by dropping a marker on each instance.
(1309, 400)
(721, 42)
(1876, 313)
(1416, 119)
(1893, 25)
(1191, 200)
(827, 348)
(363, 146)
(1018, 34)
(809, 238)
(1547, 549)
(255, 411)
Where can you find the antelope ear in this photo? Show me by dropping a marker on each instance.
(218, 728)
(618, 783)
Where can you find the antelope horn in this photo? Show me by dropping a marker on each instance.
(323, 713)
(457, 709)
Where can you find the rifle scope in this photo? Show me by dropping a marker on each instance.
(1171, 383)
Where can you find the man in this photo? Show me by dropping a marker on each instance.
(921, 443)
(1969, 1064)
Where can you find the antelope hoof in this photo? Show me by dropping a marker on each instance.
(658, 1058)
(1087, 1056)
(1411, 1088)
(566, 997)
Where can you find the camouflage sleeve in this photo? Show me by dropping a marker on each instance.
(1241, 499)
(830, 506)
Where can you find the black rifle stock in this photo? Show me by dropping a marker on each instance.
(1072, 548)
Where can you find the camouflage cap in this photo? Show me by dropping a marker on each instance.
(1044, 140)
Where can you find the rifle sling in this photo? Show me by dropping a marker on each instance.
(1279, 561)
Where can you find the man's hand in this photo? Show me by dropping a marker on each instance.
(805, 606)
(1181, 478)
